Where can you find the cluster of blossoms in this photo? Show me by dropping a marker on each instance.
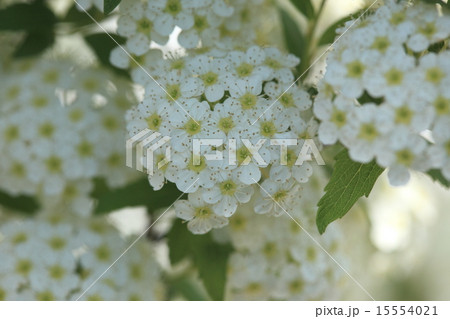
(206, 23)
(56, 257)
(60, 129)
(241, 101)
(275, 259)
(385, 92)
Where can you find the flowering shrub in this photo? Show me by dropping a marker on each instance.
(221, 106)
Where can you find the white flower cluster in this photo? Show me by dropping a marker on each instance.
(275, 259)
(385, 92)
(243, 101)
(53, 257)
(59, 130)
(221, 24)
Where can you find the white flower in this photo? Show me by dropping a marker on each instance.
(292, 98)
(171, 13)
(157, 179)
(283, 263)
(188, 124)
(149, 114)
(56, 257)
(392, 79)
(334, 116)
(249, 278)
(431, 27)
(284, 168)
(248, 64)
(247, 155)
(433, 75)
(213, 74)
(365, 135)
(403, 152)
(174, 87)
(228, 119)
(58, 134)
(205, 28)
(247, 94)
(273, 123)
(188, 174)
(384, 61)
(200, 215)
(414, 114)
(349, 74)
(227, 194)
(276, 198)
(281, 65)
(136, 23)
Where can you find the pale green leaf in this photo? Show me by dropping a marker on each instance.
(349, 182)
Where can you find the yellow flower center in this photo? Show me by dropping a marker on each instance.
(268, 129)
(226, 124)
(368, 131)
(394, 77)
(403, 115)
(154, 121)
(355, 69)
(244, 69)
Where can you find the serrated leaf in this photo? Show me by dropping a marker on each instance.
(209, 257)
(110, 5)
(23, 204)
(349, 182)
(139, 193)
(102, 44)
(305, 7)
(437, 176)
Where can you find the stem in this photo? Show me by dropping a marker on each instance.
(309, 53)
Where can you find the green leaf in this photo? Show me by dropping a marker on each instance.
(29, 17)
(34, 18)
(329, 34)
(305, 7)
(437, 176)
(209, 257)
(349, 182)
(102, 44)
(367, 98)
(442, 3)
(178, 240)
(80, 18)
(139, 193)
(212, 259)
(34, 43)
(110, 5)
(188, 288)
(23, 204)
(295, 40)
